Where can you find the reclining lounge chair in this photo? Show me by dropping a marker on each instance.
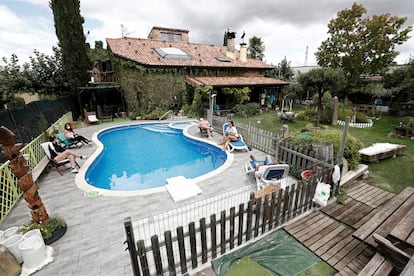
(239, 144)
(271, 175)
(52, 162)
(90, 117)
(66, 142)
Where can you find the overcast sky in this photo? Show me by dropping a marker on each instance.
(289, 28)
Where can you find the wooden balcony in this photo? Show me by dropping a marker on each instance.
(103, 77)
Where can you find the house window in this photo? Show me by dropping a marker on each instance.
(172, 53)
(170, 37)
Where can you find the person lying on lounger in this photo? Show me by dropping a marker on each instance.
(57, 153)
(73, 136)
(230, 134)
(205, 125)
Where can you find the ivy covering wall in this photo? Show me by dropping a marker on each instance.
(150, 92)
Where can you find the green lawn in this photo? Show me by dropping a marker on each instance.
(392, 174)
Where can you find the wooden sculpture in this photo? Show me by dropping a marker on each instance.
(20, 169)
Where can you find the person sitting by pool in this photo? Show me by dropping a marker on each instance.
(204, 125)
(57, 153)
(230, 134)
(73, 136)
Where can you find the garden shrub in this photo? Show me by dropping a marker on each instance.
(360, 117)
(247, 110)
(351, 149)
(308, 114)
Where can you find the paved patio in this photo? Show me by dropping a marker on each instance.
(93, 243)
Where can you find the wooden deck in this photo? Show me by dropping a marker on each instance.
(328, 231)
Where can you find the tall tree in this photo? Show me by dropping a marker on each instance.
(69, 31)
(282, 70)
(256, 48)
(322, 80)
(362, 45)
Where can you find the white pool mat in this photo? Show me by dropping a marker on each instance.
(181, 188)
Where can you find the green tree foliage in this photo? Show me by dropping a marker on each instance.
(256, 48)
(46, 74)
(69, 31)
(12, 81)
(239, 95)
(282, 71)
(362, 45)
(401, 81)
(321, 80)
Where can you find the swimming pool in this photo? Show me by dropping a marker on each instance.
(140, 157)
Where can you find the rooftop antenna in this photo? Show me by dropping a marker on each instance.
(124, 31)
(306, 56)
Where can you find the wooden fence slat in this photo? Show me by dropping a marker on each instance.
(297, 197)
(240, 231)
(272, 210)
(232, 221)
(258, 207)
(291, 201)
(170, 253)
(249, 219)
(203, 235)
(278, 207)
(223, 232)
(213, 236)
(193, 244)
(265, 214)
(155, 246)
(143, 258)
(181, 247)
(286, 203)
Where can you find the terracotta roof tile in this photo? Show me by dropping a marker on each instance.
(141, 50)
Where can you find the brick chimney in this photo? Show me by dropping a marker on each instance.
(231, 49)
(243, 52)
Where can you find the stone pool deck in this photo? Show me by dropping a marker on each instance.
(93, 243)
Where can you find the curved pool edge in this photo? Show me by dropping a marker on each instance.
(80, 179)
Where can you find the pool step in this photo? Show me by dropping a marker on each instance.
(164, 128)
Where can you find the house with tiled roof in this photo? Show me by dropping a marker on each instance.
(166, 67)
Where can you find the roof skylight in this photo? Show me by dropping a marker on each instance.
(222, 59)
(172, 53)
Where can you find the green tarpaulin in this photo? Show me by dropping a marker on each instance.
(275, 254)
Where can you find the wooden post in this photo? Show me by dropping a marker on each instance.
(130, 241)
(342, 145)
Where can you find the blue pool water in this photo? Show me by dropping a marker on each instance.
(137, 157)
